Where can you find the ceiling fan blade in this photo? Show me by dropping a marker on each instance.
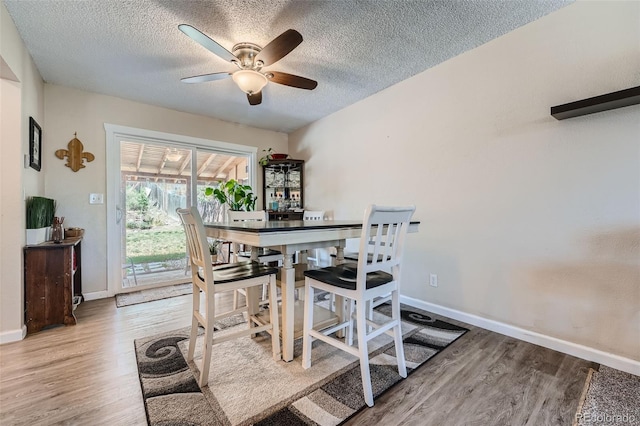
(279, 47)
(255, 99)
(206, 42)
(292, 80)
(206, 77)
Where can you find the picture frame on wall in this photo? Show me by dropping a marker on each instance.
(35, 145)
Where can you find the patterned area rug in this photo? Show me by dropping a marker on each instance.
(246, 386)
(611, 397)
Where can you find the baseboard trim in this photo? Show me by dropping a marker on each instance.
(584, 352)
(95, 295)
(13, 335)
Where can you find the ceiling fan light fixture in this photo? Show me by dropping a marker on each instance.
(249, 81)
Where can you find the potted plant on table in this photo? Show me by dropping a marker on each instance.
(40, 213)
(237, 196)
(214, 248)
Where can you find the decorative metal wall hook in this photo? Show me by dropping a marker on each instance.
(75, 155)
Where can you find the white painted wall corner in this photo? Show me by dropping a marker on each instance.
(13, 335)
(95, 295)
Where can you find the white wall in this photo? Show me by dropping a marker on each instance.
(19, 100)
(527, 220)
(68, 111)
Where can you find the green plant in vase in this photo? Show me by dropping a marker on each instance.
(237, 196)
(214, 248)
(40, 212)
(267, 156)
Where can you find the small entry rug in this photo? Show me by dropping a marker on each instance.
(149, 295)
(246, 386)
(610, 397)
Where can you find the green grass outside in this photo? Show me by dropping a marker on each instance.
(157, 244)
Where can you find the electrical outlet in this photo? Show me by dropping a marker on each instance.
(96, 199)
(433, 280)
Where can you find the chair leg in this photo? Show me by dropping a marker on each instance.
(364, 352)
(341, 310)
(194, 323)
(275, 321)
(308, 324)
(208, 341)
(350, 309)
(235, 299)
(397, 333)
(252, 295)
(369, 304)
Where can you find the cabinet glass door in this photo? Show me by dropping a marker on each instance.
(283, 186)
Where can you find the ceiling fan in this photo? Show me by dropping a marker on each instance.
(250, 59)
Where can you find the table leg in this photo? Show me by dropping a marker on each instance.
(236, 249)
(340, 305)
(288, 303)
(339, 255)
(252, 304)
(302, 256)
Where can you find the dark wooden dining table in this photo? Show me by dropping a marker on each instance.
(290, 237)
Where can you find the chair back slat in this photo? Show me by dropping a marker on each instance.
(313, 215)
(381, 244)
(199, 256)
(241, 216)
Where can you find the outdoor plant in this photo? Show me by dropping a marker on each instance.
(237, 196)
(137, 199)
(140, 215)
(40, 212)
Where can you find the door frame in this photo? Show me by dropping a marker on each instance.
(114, 135)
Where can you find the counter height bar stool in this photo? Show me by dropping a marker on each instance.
(229, 277)
(353, 257)
(383, 234)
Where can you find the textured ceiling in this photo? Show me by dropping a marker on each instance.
(134, 50)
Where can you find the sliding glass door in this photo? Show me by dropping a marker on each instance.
(156, 180)
(155, 177)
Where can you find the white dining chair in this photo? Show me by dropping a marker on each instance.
(360, 284)
(229, 277)
(126, 267)
(353, 257)
(265, 255)
(313, 215)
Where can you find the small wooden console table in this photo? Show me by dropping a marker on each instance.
(53, 283)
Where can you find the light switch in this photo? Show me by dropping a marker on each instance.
(96, 199)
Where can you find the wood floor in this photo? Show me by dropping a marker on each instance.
(86, 375)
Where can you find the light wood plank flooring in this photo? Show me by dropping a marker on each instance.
(86, 375)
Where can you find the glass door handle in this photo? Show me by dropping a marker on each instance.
(118, 214)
